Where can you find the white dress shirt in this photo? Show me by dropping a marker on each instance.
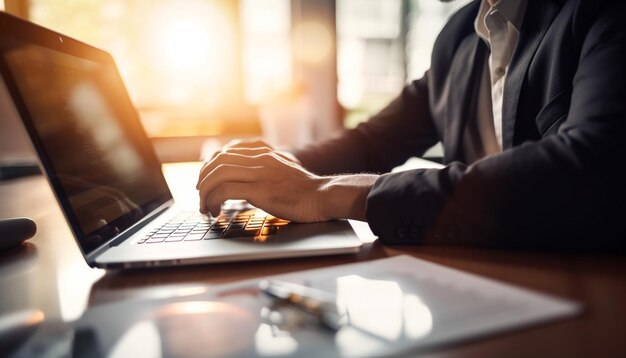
(499, 26)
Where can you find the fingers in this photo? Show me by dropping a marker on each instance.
(247, 143)
(242, 164)
(257, 144)
(238, 144)
(226, 191)
(218, 158)
(225, 173)
(243, 151)
(264, 158)
(288, 157)
(249, 151)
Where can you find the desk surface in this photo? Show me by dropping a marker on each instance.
(49, 273)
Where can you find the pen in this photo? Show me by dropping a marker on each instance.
(319, 303)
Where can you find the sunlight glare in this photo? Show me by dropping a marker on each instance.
(186, 45)
(190, 45)
(185, 40)
(313, 42)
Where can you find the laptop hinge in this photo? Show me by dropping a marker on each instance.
(130, 231)
(135, 228)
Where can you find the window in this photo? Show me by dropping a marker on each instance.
(200, 67)
(383, 44)
(206, 62)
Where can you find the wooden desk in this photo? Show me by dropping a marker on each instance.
(50, 274)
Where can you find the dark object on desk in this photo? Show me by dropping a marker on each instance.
(320, 304)
(16, 170)
(15, 231)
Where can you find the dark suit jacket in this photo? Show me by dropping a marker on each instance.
(560, 177)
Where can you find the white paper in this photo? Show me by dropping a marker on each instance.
(396, 305)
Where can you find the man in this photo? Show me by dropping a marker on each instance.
(529, 100)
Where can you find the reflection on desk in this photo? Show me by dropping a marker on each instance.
(393, 305)
(52, 276)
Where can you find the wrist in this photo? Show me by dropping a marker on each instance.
(345, 196)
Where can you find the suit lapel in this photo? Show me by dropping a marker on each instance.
(538, 18)
(465, 73)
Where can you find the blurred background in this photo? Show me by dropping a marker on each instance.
(294, 71)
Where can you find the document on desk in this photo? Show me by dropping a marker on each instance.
(395, 305)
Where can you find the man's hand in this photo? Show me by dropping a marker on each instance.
(276, 183)
(255, 144)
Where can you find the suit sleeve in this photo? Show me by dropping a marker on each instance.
(566, 189)
(402, 129)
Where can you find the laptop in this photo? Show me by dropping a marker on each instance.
(107, 178)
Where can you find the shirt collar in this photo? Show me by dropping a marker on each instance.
(512, 10)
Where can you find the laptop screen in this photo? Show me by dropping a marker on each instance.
(88, 135)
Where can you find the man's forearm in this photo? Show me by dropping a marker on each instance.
(344, 196)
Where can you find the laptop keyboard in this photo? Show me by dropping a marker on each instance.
(188, 227)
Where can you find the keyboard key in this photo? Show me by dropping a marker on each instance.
(232, 233)
(194, 237)
(212, 235)
(251, 232)
(269, 230)
(174, 238)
